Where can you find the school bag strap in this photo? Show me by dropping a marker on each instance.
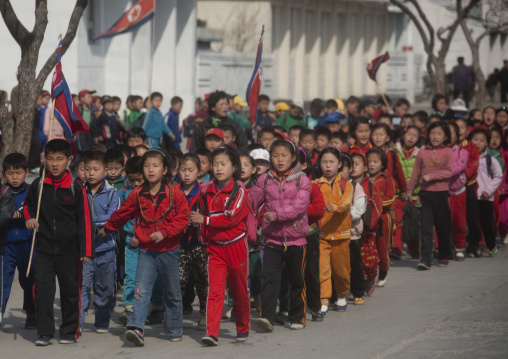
(73, 190)
(169, 196)
(488, 158)
(3, 189)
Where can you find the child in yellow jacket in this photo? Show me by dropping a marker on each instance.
(335, 231)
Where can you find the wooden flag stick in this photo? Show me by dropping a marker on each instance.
(383, 96)
(153, 49)
(40, 187)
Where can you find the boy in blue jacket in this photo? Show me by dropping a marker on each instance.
(100, 271)
(13, 250)
(153, 123)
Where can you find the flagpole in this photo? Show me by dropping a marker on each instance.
(153, 48)
(43, 175)
(383, 97)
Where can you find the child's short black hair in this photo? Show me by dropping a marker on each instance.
(136, 132)
(266, 130)
(278, 129)
(58, 146)
(456, 129)
(228, 128)
(205, 153)
(81, 157)
(114, 155)
(116, 99)
(307, 132)
(422, 116)
(352, 100)
(263, 97)
(331, 103)
(323, 131)
(191, 157)
(96, 156)
(297, 128)
(407, 115)
(145, 147)
(98, 147)
(479, 130)
(444, 126)
(134, 166)
(15, 161)
(402, 101)
(341, 136)
(347, 161)
(360, 120)
(359, 155)
(135, 98)
(126, 150)
(385, 115)
(381, 101)
(232, 153)
(154, 95)
(175, 100)
(303, 157)
(382, 157)
(436, 116)
(252, 147)
(436, 98)
(174, 157)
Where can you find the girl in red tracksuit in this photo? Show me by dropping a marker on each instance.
(368, 248)
(161, 214)
(473, 162)
(377, 163)
(224, 231)
(381, 137)
(360, 132)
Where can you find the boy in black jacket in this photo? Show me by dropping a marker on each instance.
(7, 209)
(64, 240)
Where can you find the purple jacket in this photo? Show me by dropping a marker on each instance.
(459, 179)
(288, 201)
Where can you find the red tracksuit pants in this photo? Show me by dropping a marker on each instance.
(459, 219)
(398, 210)
(370, 257)
(383, 242)
(231, 262)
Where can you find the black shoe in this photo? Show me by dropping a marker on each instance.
(423, 266)
(31, 322)
(43, 340)
(156, 317)
(210, 341)
(395, 256)
(317, 317)
(282, 318)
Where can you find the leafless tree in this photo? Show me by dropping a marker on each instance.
(494, 20)
(435, 61)
(17, 136)
(242, 30)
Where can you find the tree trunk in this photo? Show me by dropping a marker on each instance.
(439, 76)
(7, 126)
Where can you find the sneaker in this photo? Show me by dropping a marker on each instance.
(317, 317)
(31, 321)
(442, 263)
(423, 266)
(396, 256)
(135, 336)
(350, 297)
(43, 340)
(202, 323)
(67, 341)
(124, 317)
(265, 324)
(492, 252)
(296, 326)
(324, 310)
(187, 309)
(156, 317)
(459, 254)
(370, 286)
(381, 280)
(242, 337)
(102, 330)
(175, 338)
(282, 318)
(210, 341)
(505, 239)
(359, 301)
(340, 305)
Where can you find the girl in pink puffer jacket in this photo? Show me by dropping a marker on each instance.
(285, 191)
(458, 192)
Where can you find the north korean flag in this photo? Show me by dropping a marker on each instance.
(373, 66)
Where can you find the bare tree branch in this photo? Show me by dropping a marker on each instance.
(67, 40)
(415, 20)
(16, 28)
(424, 18)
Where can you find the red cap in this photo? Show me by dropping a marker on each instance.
(215, 132)
(82, 92)
(45, 93)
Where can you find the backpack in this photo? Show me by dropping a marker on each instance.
(250, 220)
(410, 224)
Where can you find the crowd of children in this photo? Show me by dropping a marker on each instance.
(307, 217)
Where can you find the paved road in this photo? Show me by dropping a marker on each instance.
(455, 312)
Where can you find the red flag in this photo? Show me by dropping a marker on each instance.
(255, 84)
(373, 66)
(141, 12)
(65, 111)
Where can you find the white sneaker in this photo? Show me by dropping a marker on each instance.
(505, 239)
(341, 301)
(296, 326)
(102, 330)
(381, 283)
(324, 310)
